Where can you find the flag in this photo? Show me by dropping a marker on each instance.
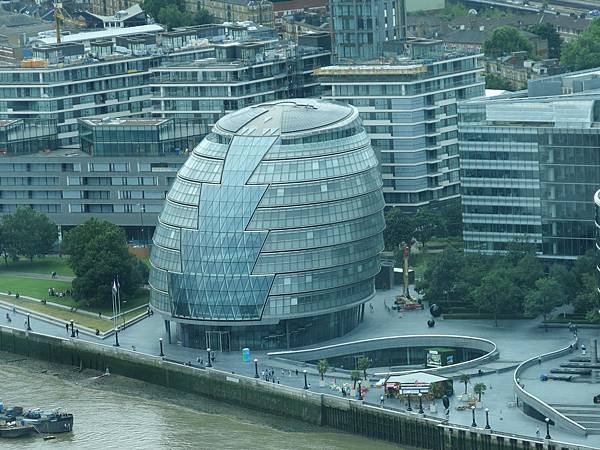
(114, 288)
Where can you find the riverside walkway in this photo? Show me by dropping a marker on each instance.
(517, 340)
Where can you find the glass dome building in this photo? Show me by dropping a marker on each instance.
(270, 234)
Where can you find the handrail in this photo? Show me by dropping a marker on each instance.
(539, 405)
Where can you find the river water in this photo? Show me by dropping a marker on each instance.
(115, 412)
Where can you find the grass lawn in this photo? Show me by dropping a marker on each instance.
(39, 289)
(45, 265)
(59, 313)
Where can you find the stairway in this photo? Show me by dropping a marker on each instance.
(587, 416)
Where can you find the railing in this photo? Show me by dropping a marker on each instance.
(539, 405)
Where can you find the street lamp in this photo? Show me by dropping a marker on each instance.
(28, 322)
(255, 368)
(305, 382)
(116, 344)
(409, 406)
(547, 428)
(474, 424)
(487, 419)
(208, 356)
(359, 391)
(160, 343)
(421, 403)
(72, 329)
(142, 240)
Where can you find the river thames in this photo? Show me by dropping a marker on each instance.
(117, 412)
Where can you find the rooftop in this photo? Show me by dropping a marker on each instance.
(124, 121)
(285, 116)
(106, 33)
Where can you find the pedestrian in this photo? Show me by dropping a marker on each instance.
(343, 392)
(537, 432)
(77, 332)
(371, 307)
(67, 327)
(381, 400)
(97, 332)
(296, 372)
(539, 360)
(133, 348)
(100, 314)
(277, 380)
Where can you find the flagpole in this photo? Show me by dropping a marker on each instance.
(119, 295)
(114, 308)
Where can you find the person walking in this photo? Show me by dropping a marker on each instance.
(77, 332)
(537, 432)
(67, 327)
(381, 400)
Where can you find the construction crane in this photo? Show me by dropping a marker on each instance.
(62, 16)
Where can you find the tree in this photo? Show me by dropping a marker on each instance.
(588, 298)
(479, 389)
(451, 213)
(399, 228)
(322, 367)
(583, 52)
(202, 17)
(153, 7)
(548, 31)
(98, 253)
(427, 224)
(464, 378)
(355, 376)
(505, 40)
(363, 364)
(546, 296)
(171, 17)
(493, 81)
(28, 233)
(443, 276)
(496, 293)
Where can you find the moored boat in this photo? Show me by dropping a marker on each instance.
(49, 422)
(13, 430)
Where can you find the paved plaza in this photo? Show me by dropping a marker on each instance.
(517, 340)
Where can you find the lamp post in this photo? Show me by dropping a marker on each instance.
(208, 356)
(474, 424)
(160, 344)
(72, 329)
(421, 403)
(359, 391)
(409, 405)
(28, 322)
(142, 240)
(487, 419)
(305, 382)
(547, 428)
(255, 368)
(116, 344)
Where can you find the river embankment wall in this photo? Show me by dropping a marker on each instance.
(405, 429)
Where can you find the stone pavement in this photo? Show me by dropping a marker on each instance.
(517, 340)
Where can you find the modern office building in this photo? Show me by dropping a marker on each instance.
(409, 109)
(271, 232)
(530, 165)
(111, 177)
(360, 28)
(236, 75)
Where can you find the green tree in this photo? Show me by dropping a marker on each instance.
(493, 81)
(566, 278)
(548, 31)
(587, 298)
(153, 7)
(464, 378)
(427, 224)
(202, 17)
(171, 17)
(363, 363)
(98, 253)
(583, 52)
(496, 294)
(505, 40)
(546, 296)
(399, 228)
(479, 389)
(322, 367)
(451, 213)
(28, 233)
(355, 376)
(443, 277)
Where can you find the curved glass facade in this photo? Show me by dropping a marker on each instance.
(271, 232)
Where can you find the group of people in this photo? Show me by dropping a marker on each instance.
(59, 294)
(67, 325)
